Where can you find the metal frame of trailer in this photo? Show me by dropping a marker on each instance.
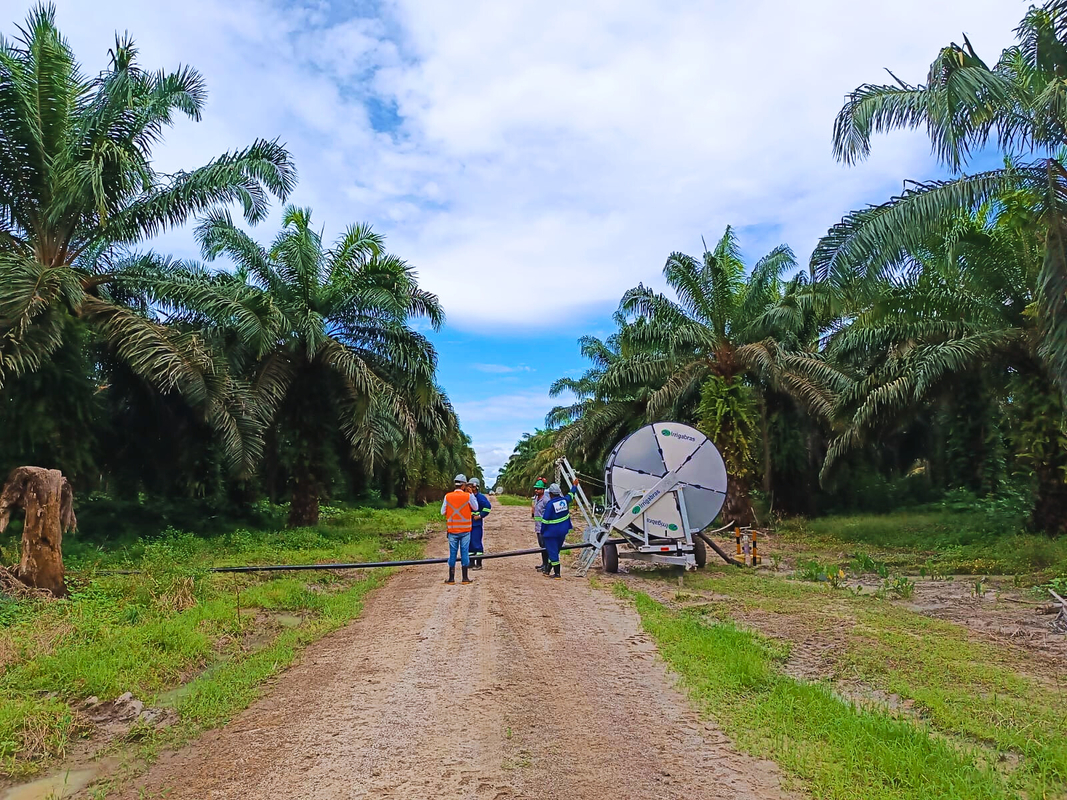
(599, 528)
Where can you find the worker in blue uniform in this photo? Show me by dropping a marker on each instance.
(484, 507)
(555, 525)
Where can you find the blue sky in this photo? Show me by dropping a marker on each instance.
(535, 158)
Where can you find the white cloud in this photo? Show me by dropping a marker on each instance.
(501, 369)
(551, 153)
(492, 457)
(497, 422)
(517, 406)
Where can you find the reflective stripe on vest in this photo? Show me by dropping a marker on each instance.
(458, 517)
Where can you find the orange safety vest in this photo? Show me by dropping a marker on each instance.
(458, 512)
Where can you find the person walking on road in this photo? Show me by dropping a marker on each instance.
(484, 507)
(539, 501)
(555, 525)
(458, 510)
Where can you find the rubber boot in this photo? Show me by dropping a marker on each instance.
(555, 573)
(451, 576)
(466, 577)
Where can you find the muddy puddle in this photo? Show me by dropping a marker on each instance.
(54, 787)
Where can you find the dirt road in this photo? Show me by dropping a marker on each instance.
(513, 687)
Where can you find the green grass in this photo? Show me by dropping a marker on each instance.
(835, 749)
(175, 624)
(976, 696)
(944, 541)
(965, 688)
(511, 500)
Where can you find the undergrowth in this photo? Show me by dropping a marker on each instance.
(935, 541)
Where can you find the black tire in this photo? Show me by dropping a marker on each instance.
(610, 554)
(700, 552)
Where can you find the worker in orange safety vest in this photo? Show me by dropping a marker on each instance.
(458, 508)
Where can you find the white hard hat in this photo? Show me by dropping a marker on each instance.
(554, 489)
(475, 482)
(461, 478)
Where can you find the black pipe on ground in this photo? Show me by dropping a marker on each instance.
(722, 553)
(370, 564)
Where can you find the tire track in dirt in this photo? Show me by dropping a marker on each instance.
(514, 687)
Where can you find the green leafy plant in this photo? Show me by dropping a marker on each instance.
(862, 562)
(900, 587)
(810, 570)
(816, 572)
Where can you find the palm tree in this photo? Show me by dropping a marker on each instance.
(598, 418)
(428, 464)
(534, 457)
(328, 339)
(77, 188)
(1020, 104)
(958, 309)
(704, 354)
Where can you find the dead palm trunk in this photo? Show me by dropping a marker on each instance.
(48, 502)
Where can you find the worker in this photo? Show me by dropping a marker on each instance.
(555, 525)
(484, 507)
(458, 510)
(539, 500)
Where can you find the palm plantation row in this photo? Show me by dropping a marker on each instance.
(923, 351)
(299, 372)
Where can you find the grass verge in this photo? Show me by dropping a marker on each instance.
(942, 542)
(175, 635)
(998, 710)
(834, 748)
(510, 500)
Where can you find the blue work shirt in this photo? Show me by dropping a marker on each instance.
(556, 518)
(483, 511)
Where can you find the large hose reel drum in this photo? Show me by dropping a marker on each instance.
(649, 454)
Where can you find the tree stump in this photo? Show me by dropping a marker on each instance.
(48, 502)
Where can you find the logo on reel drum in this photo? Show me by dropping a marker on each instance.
(661, 524)
(685, 437)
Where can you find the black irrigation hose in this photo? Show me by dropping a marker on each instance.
(722, 553)
(368, 564)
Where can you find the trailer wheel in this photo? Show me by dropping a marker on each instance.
(610, 554)
(700, 552)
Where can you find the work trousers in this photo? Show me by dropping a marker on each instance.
(476, 541)
(553, 542)
(541, 543)
(462, 543)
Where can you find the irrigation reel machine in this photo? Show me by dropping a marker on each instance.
(664, 484)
